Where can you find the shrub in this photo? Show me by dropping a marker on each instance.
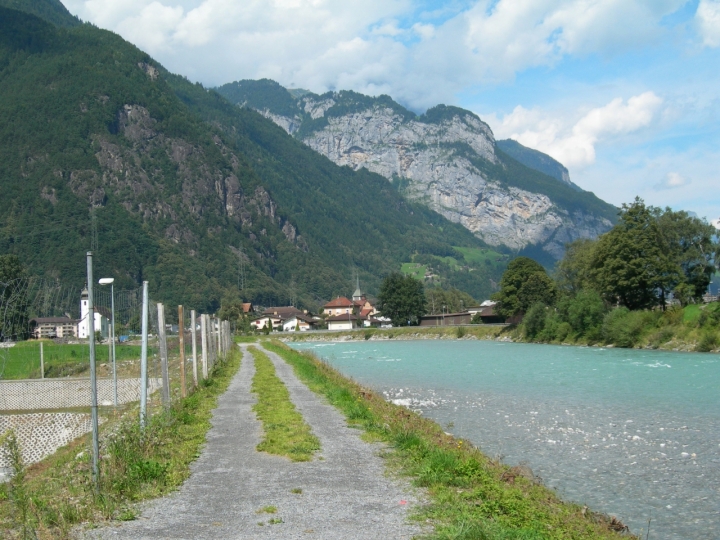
(534, 320)
(708, 341)
(663, 335)
(585, 312)
(563, 331)
(673, 316)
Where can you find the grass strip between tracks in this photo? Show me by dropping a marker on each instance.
(55, 495)
(470, 496)
(286, 432)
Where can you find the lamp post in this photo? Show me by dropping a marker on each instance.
(110, 281)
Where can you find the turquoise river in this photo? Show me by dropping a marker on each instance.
(632, 433)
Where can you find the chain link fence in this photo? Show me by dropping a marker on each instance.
(45, 384)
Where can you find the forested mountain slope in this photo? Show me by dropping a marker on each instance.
(189, 192)
(446, 158)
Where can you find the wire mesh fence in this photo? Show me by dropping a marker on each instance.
(45, 382)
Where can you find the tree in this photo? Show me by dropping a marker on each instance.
(402, 298)
(633, 263)
(450, 300)
(573, 272)
(690, 242)
(524, 283)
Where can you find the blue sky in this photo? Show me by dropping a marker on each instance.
(625, 93)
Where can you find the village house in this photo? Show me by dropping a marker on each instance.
(283, 318)
(344, 322)
(359, 305)
(53, 327)
(300, 323)
(339, 306)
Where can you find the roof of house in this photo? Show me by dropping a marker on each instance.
(340, 302)
(346, 317)
(366, 311)
(301, 317)
(53, 320)
(283, 311)
(247, 307)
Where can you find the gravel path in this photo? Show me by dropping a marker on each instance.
(345, 495)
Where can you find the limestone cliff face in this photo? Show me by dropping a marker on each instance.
(447, 158)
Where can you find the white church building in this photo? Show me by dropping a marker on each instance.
(101, 316)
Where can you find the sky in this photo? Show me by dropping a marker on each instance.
(624, 93)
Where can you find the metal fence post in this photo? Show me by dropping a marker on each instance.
(221, 338)
(42, 362)
(163, 356)
(143, 356)
(181, 344)
(193, 333)
(93, 375)
(219, 351)
(204, 342)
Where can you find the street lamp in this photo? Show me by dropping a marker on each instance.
(110, 281)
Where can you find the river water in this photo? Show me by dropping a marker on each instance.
(635, 434)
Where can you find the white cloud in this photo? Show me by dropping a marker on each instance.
(327, 44)
(572, 140)
(672, 181)
(708, 18)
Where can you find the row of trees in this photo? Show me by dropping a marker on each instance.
(649, 256)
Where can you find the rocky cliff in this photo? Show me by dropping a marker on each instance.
(447, 158)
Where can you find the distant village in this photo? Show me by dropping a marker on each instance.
(341, 313)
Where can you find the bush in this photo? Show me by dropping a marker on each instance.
(534, 320)
(663, 335)
(623, 327)
(563, 331)
(673, 316)
(708, 341)
(585, 313)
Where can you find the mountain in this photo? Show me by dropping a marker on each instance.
(168, 182)
(52, 11)
(446, 158)
(536, 160)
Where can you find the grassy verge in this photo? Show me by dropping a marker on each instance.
(57, 493)
(408, 332)
(470, 495)
(286, 433)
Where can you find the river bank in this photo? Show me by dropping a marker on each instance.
(469, 494)
(676, 338)
(628, 432)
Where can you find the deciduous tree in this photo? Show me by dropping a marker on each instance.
(402, 298)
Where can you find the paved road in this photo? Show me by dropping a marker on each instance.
(345, 495)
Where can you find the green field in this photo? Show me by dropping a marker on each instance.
(477, 255)
(22, 361)
(415, 270)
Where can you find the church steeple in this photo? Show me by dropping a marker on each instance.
(358, 296)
